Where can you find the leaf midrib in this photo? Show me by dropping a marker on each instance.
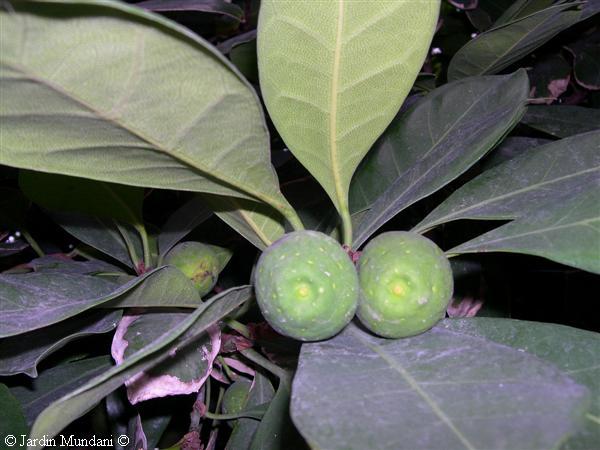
(415, 386)
(333, 150)
(155, 145)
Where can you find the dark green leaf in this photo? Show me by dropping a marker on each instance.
(102, 234)
(276, 431)
(562, 120)
(433, 143)
(573, 351)
(22, 354)
(72, 194)
(13, 421)
(56, 382)
(181, 223)
(209, 6)
(586, 60)
(243, 431)
(166, 288)
(511, 147)
(441, 389)
(512, 189)
(499, 47)
(520, 9)
(566, 230)
(79, 401)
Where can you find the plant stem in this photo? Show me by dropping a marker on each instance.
(346, 226)
(130, 248)
(32, 243)
(226, 368)
(293, 218)
(141, 229)
(259, 359)
(239, 327)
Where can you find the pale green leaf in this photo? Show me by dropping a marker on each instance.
(334, 74)
(107, 91)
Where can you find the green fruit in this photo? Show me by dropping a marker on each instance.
(198, 261)
(406, 284)
(235, 398)
(306, 286)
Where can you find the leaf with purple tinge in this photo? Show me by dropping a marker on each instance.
(448, 390)
(572, 350)
(183, 372)
(22, 353)
(34, 300)
(75, 403)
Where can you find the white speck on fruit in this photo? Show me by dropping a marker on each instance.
(328, 274)
(422, 300)
(321, 290)
(282, 257)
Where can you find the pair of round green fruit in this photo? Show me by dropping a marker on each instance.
(308, 289)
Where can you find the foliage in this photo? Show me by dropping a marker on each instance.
(128, 128)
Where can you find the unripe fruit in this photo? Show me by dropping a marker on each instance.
(406, 284)
(306, 286)
(198, 261)
(235, 398)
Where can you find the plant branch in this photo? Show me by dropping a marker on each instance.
(259, 359)
(32, 243)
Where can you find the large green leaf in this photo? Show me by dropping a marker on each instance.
(498, 48)
(79, 401)
(512, 189)
(96, 198)
(333, 75)
(566, 230)
(434, 142)
(22, 354)
(573, 351)
(154, 105)
(441, 389)
(562, 120)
